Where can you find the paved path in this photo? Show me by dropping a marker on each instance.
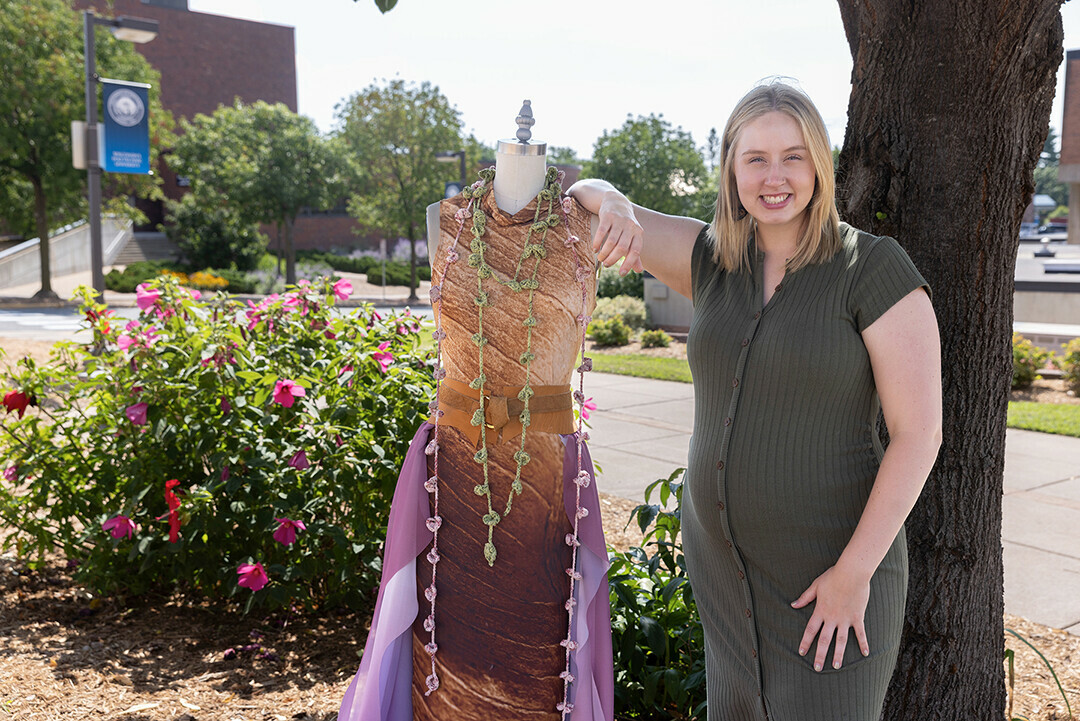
(641, 432)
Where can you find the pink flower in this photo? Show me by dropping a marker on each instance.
(342, 289)
(224, 474)
(195, 294)
(299, 461)
(11, 473)
(587, 406)
(173, 501)
(286, 532)
(286, 392)
(137, 413)
(384, 357)
(125, 341)
(252, 575)
(146, 297)
(119, 526)
(567, 204)
(225, 405)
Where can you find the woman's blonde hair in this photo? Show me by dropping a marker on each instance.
(731, 226)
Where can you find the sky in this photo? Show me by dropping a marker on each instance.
(585, 66)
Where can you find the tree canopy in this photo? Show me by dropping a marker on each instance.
(656, 165)
(263, 161)
(390, 132)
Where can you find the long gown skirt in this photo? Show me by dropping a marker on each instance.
(498, 629)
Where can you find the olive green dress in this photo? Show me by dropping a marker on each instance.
(782, 460)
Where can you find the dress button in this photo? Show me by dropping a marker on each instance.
(728, 543)
(742, 576)
(719, 465)
(727, 421)
(757, 315)
(779, 286)
(720, 505)
(745, 342)
(748, 613)
(734, 382)
(753, 652)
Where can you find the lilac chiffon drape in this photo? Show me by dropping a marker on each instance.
(381, 690)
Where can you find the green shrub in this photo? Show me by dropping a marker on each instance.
(195, 392)
(239, 281)
(611, 284)
(138, 272)
(1070, 365)
(610, 332)
(397, 273)
(632, 311)
(212, 236)
(658, 644)
(1028, 360)
(655, 339)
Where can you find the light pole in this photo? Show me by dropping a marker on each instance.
(135, 30)
(448, 157)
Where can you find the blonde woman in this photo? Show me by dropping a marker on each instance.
(803, 328)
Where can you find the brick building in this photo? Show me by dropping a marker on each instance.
(1069, 164)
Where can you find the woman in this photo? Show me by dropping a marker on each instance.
(803, 328)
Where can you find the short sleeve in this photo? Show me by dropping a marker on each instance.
(884, 277)
(702, 265)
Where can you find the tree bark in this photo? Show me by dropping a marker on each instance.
(41, 221)
(413, 297)
(949, 108)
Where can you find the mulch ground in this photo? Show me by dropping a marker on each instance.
(65, 654)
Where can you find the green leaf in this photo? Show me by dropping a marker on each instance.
(654, 635)
(385, 6)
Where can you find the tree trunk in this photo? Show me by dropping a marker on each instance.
(413, 297)
(290, 253)
(949, 107)
(41, 221)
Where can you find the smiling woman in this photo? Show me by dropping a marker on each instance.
(804, 328)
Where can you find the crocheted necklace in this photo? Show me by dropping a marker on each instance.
(545, 219)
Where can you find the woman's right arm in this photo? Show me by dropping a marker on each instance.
(659, 243)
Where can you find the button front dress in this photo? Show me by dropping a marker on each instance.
(783, 457)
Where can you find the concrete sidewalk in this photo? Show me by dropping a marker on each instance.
(641, 431)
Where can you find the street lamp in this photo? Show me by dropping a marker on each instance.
(448, 157)
(134, 30)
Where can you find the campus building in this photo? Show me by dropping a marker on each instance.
(1069, 162)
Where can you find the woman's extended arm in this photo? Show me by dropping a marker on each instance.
(905, 355)
(659, 243)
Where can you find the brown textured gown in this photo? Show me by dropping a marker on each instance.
(499, 627)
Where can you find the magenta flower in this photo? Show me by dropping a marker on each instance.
(252, 575)
(299, 461)
(286, 392)
(137, 413)
(11, 473)
(342, 289)
(195, 294)
(286, 532)
(16, 401)
(119, 526)
(588, 405)
(146, 297)
(125, 341)
(384, 357)
(225, 405)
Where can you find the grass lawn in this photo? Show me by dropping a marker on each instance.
(1060, 418)
(642, 366)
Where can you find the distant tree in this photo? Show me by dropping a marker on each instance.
(1050, 154)
(712, 150)
(264, 162)
(1046, 171)
(656, 165)
(390, 132)
(41, 58)
(557, 155)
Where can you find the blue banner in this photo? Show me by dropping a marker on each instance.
(127, 127)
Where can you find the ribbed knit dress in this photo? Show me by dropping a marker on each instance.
(782, 460)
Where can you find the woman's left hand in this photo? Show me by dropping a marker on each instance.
(841, 599)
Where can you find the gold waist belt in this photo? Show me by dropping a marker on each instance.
(551, 410)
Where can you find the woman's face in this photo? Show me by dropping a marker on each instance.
(773, 171)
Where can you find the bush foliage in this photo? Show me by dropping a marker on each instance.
(1070, 365)
(206, 438)
(655, 339)
(611, 284)
(611, 332)
(632, 311)
(1028, 360)
(658, 643)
